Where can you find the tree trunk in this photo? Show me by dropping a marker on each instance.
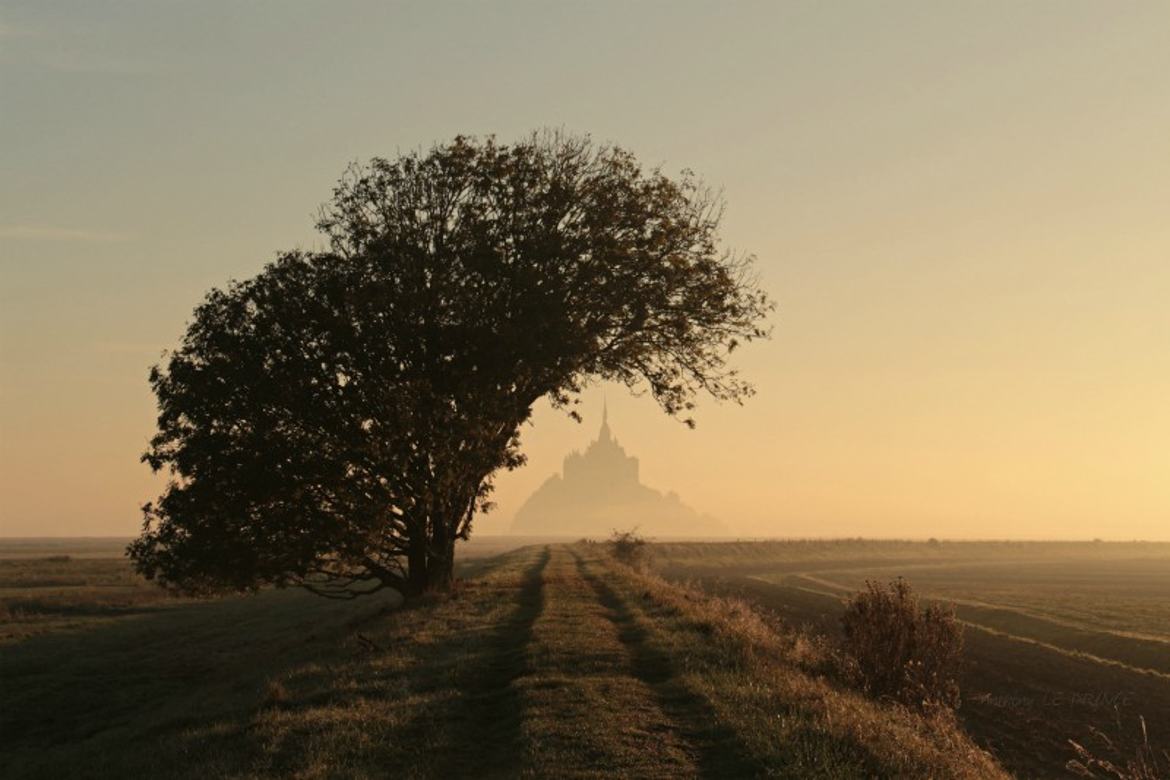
(441, 571)
(441, 558)
(416, 562)
(430, 562)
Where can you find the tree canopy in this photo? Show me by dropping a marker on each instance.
(336, 420)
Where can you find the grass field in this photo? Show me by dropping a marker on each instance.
(1060, 637)
(51, 585)
(548, 661)
(62, 593)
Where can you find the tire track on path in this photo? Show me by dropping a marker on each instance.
(491, 712)
(587, 713)
(716, 750)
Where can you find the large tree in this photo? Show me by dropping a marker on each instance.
(336, 420)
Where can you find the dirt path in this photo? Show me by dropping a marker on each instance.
(536, 668)
(717, 751)
(588, 694)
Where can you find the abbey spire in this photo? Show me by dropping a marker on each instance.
(599, 490)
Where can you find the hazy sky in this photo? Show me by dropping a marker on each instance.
(962, 209)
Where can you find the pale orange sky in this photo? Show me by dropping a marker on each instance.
(961, 210)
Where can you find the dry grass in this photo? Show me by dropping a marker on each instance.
(1107, 760)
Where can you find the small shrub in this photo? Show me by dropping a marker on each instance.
(630, 548)
(897, 649)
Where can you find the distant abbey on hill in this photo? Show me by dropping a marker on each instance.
(600, 492)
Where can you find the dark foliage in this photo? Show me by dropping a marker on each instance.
(901, 650)
(335, 421)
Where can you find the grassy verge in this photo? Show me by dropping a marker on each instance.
(763, 687)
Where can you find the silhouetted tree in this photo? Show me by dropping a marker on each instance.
(336, 420)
